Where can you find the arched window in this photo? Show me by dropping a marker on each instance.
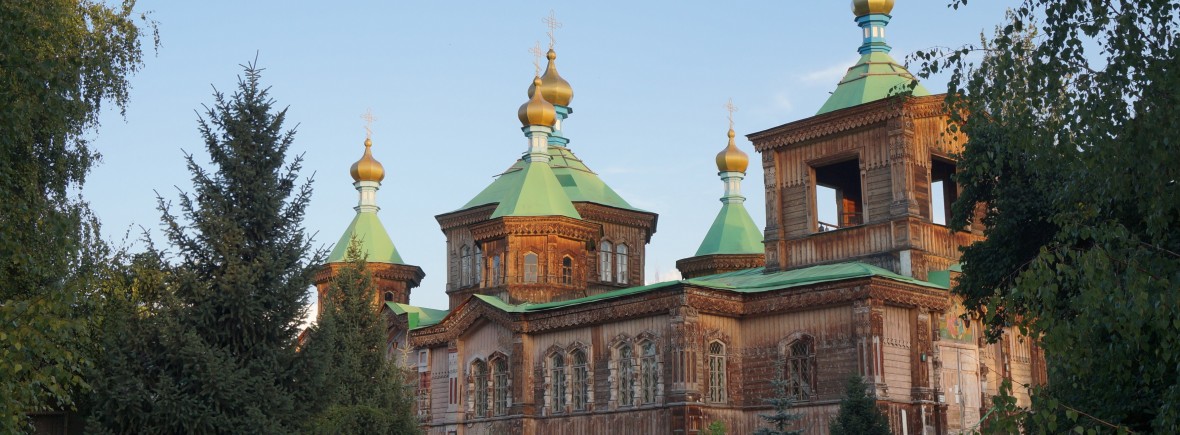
(800, 370)
(716, 372)
(557, 382)
(625, 382)
(478, 266)
(621, 263)
(497, 275)
(500, 386)
(479, 385)
(388, 296)
(581, 388)
(648, 374)
(604, 261)
(567, 270)
(530, 268)
(465, 266)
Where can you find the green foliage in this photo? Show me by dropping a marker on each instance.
(358, 388)
(215, 352)
(1074, 145)
(782, 418)
(60, 60)
(859, 414)
(717, 427)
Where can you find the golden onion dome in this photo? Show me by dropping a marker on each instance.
(367, 168)
(554, 88)
(537, 111)
(731, 159)
(864, 7)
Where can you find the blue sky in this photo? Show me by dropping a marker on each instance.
(444, 80)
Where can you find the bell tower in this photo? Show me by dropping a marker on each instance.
(869, 177)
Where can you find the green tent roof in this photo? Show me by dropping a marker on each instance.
(733, 232)
(535, 192)
(874, 77)
(375, 242)
(579, 182)
(418, 317)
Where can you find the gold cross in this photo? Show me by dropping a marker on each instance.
(553, 24)
(368, 117)
(729, 107)
(537, 53)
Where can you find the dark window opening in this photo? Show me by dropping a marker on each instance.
(388, 296)
(838, 195)
(943, 190)
(567, 271)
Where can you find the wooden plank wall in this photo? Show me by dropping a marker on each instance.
(899, 327)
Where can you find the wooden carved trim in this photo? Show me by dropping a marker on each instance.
(465, 217)
(846, 119)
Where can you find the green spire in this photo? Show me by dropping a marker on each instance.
(375, 242)
(733, 232)
(535, 192)
(874, 77)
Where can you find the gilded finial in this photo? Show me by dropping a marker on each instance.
(553, 24)
(367, 168)
(732, 159)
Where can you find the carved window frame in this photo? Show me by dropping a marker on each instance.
(625, 372)
(567, 270)
(464, 266)
(718, 378)
(530, 273)
(605, 261)
(649, 372)
(478, 388)
(799, 369)
(558, 386)
(581, 382)
(477, 266)
(621, 263)
(501, 384)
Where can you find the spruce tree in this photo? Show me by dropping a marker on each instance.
(859, 414)
(360, 391)
(220, 351)
(782, 418)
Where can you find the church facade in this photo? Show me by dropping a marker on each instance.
(550, 328)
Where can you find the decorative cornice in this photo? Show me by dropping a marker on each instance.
(411, 275)
(465, 217)
(631, 218)
(702, 265)
(847, 119)
(535, 226)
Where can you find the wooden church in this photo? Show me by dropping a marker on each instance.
(551, 330)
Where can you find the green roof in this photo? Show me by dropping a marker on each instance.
(418, 317)
(375, 242)
(579, 182)
(874, 77)
(535, 192)
(754, 280)
(733, 232)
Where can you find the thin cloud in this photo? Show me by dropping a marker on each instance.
(829, 74)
